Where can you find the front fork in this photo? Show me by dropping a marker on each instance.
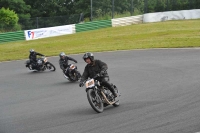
(97, 97)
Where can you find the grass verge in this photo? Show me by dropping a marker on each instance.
(169, 34)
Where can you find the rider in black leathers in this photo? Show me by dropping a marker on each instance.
(63, 62)
(93, 68)
(33, 57)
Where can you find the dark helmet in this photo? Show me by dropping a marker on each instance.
(32, 50)
(88, 55)
(62, 54)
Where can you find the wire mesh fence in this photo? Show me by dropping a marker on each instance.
(108, 9)
(43, 22)
(119, 8)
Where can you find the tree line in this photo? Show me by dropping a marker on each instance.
(17, 14)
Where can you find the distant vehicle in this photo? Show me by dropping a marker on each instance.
(74, 74)
(41, 65)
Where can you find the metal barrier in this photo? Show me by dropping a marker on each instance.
(94, 25)
(12, 36)
(127, 21)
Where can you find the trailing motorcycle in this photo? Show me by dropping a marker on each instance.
(42, 64)
(100, 96)
(74, 74)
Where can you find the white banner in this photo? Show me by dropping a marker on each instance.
(171, 15)
(48, 32)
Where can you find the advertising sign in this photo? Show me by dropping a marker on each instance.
(48, 32)
(171, 15)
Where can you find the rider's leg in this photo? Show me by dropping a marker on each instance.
(105, 81)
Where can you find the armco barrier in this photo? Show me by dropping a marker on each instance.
(127, 21)
(12, 36)
(93, 25)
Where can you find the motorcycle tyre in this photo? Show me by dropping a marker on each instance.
(116, 104)
(48, 63)
(89, 97)
(78, 76)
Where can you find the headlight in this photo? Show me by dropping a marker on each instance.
(97, 83)
(39, 62)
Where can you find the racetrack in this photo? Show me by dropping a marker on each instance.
(160, 94)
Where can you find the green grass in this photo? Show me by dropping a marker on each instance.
(170, 34)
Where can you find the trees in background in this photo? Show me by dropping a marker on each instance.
(35, 10)
(18, 6)
(50, 8)
(8, 19)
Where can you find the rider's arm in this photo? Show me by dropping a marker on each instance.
(72, 59)
(39, 54)
(61, 65)
(85, 74)
(103, 66)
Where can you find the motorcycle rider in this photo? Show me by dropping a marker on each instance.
(63, 62)
(93, 68)
(33, 57)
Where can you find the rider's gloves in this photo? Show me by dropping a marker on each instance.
(97, 75)
(64, 70)
(76, 61)
(102, 73)
(81, 84)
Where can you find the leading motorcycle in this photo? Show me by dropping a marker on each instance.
(42, 64)
(74, 74)
(100, 96)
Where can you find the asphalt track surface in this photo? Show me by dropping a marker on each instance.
(160, 94)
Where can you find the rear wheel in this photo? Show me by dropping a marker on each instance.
(78, 75)
(50, 66)
(95, 101)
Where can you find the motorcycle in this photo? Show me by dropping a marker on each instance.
(100, 96)
(41, 65)
(74, 74)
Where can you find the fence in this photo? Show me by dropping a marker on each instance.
(125, 8)
(87, 26)
(43, 22)
(109, 9)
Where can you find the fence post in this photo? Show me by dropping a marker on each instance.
(167, 5)
(91, 11)
(37, 22)
(81, 18)
(190, 3)
(145, 6)
(113, 8)
(132, 8)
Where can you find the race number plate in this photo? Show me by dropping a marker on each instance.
(89, 83)
(72, 67)
(45, 59)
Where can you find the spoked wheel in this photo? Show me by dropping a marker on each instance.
(30, 67)
(116, 104)
(50, 66)
(95, 101)
(78, 75)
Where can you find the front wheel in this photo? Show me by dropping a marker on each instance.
(50, 66)
(116, 104)
(78, 75)
(95, 101)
